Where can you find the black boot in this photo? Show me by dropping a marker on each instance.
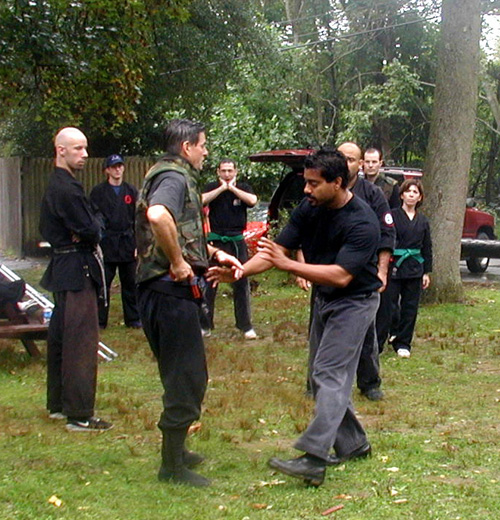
(192, 459)
(309, 468)
(173, 467)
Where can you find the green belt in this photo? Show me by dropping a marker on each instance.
(408, 253)
(225, 239)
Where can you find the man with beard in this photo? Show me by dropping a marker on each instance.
(339, 236)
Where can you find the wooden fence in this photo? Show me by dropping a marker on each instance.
(22, 184)
(10, 205)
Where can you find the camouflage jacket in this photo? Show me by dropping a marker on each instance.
(152, 261)
(386, 184)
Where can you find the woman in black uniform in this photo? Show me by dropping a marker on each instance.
(411, 263)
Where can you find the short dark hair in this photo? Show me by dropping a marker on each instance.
(407, 184)
(330, 163)
(180, 130)
(374, 150)
(227, 160)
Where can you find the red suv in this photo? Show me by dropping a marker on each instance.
(477, 224)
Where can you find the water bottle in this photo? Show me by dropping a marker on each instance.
(47, 314)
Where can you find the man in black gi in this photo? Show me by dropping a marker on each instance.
(368, 374)
(74, 275)
(228, 200)
(371, 168)
(339, 236)
(115, 199)
(173, 257)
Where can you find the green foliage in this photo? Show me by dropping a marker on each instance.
(390, 100)
(249, 120)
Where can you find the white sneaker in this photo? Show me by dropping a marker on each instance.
(404, 353)
(206, 333)
(250, 334)
(57, 416)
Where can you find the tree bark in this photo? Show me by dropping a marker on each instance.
(450, 141)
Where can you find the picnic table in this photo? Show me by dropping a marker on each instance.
(16, 324)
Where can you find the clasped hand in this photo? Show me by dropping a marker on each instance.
(229, 274)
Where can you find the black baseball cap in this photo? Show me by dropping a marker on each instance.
(113, 159)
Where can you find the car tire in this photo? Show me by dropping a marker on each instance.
(479, 265)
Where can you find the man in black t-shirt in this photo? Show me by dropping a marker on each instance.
(339, 236)
(228, 200)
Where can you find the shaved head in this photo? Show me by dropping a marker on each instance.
(71, 149)
(67, 134)
(353, 154)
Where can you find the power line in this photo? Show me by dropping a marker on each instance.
(330, 11)
(307, 44)
(372, 21)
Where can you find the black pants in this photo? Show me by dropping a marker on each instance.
(405, 292)
(241, 290)
(172, 327)
(72, 352)
(126, 273)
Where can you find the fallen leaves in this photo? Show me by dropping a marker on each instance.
(332, 510)
(195, 427)
(55, 501)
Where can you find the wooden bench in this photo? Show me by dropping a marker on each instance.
(15, 324)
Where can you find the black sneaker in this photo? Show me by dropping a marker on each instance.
(92, 424)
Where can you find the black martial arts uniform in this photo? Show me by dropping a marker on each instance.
(74, 275)
(412, 259)
(368, 373)
(117, 207)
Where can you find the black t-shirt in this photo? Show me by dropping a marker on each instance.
(169, 190)
(228, 213)
(348, 236)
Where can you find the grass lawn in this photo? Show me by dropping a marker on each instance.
(435, 436)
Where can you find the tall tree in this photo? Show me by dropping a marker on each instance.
(450, 141)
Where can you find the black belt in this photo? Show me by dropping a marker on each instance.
(170, 288)
(72, 249)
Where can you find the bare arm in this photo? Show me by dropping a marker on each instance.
(302, 283)
(330, 275)
(165, 232)
(248, 198)
(384, 258)
(207, 198)
(257, 264)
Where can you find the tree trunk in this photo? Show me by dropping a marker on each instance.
(450, 141)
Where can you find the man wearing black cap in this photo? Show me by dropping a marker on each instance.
(115, 199)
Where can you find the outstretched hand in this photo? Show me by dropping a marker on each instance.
(302, 283)
(219, 274)
(229, 274)
(224, 258)
(273, 253)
